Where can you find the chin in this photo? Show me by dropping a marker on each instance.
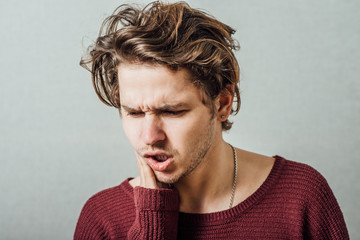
(169, 179)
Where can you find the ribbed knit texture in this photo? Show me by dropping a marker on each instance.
(294, 202)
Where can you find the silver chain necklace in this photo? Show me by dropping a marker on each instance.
(235, 177)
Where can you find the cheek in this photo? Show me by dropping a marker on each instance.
(185, 131)
(130, 130)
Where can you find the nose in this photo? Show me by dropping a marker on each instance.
(152, 131)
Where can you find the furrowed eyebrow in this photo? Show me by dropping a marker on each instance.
(129, 109)
(170, 107)
(165, 107)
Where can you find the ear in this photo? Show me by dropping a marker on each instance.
(224, 103)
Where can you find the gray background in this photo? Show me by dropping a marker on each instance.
(59, 145)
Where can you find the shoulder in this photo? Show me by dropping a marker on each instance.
(298, 184)
(297, 167)
(110, 196)
(301, 174)
(101, 212)
(303, 184)
(321, 213)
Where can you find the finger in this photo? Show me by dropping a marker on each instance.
(147, 176)
(141, 173)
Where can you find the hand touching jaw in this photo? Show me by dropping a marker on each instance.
(165, 120)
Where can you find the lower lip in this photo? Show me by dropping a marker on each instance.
(159, 166)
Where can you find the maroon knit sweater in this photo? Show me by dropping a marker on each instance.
(294, 202)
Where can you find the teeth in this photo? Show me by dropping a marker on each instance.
(161, 157)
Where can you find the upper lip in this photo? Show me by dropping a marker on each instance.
(156, 153)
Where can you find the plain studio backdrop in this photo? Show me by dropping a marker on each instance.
(59, 144)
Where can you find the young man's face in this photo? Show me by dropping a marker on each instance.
(165, 120)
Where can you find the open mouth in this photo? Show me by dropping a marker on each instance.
(160, 158)
(159, 161)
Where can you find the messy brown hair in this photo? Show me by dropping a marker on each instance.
(174, 35)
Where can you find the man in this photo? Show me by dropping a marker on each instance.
(172, 73)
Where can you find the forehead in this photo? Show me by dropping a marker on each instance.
(148, 85)
(147, 76)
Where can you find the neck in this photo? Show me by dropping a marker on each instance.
(208, 188)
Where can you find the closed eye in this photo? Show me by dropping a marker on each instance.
(134, 114)
(174, 113)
